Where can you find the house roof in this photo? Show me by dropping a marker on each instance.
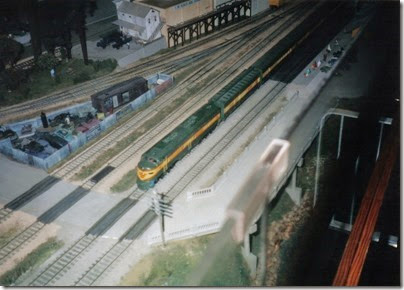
(133, 8)
(129, 25)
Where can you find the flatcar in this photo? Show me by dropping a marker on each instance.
(155, 162)
(108, 100)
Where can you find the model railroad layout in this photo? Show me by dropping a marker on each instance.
(165, 153)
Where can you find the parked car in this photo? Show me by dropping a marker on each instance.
(109, 38)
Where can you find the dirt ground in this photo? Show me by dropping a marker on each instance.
(280, 231)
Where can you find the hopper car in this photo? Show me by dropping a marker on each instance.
(156, 161)
(108, 100)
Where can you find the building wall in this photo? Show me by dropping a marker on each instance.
(154, 18)
(258, 6)
(182, 12)
(217, 3)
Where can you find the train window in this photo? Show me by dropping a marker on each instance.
(115, 101)
(125, 97)
(152, 160)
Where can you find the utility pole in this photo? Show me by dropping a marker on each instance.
(161, 208)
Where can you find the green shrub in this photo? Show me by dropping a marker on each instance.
(108, 65)
(58, 80)
(35, 258)
(82, 77)
(46, 61)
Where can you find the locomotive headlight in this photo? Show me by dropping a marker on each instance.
(141, 173)
(144, 174)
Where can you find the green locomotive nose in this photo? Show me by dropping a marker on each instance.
(145, 185)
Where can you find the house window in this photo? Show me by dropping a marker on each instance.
(123, 14)
(130, 16)
(148, 20)
(155, 18)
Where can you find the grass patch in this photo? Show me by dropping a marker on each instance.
(40, 82)
(171, 266)
(126, 182)
(34, 259)
(8, 236)
(167, 266)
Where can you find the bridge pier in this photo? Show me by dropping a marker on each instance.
(294, 192)
(249, 257)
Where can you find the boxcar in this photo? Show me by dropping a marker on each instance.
(108, 100)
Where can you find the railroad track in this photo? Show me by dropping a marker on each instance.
(26, 197)
(143, 68)
(65, 261)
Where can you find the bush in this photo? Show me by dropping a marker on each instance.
(82, 77)
(46, 62)
(34, 259)
(58, 79)
(108, 65)
(63, 53)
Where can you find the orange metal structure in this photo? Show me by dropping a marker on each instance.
(356, 248)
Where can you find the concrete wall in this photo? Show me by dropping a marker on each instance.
(182, 12)
(258, 6)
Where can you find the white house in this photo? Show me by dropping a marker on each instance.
(137, 20)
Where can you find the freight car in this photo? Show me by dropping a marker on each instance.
(155, 162)
(106, 101)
